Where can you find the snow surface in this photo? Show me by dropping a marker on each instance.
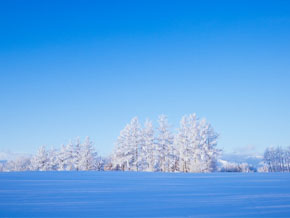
(135, 194)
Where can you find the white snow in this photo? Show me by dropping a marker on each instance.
(141, 194)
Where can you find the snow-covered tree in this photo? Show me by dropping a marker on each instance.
(18, 164)
(69, 156)
(126, 153)
(41, 161)
(87, 160)
(77, 154)
(148, 148)
(196, 144)
(226, 166)
(74, 156)
(277, 159)
(53, 163)
(207, 146)
(62, 158)
(100, 163)
(164, 146)
(182, 145)
(2, 167)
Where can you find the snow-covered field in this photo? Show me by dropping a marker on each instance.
(131, 194)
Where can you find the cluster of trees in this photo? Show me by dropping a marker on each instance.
(18, 164)
(277, 159)
(191, 149)
(226, 166)
(74, 156)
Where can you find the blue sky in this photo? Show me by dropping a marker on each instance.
(78, 68)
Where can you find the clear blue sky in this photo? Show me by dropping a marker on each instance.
(78, 68)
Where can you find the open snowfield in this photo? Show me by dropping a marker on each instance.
(131, 194)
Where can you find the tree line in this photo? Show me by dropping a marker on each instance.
(192, 148)
(138, 148)
(277, 159)
(75, 156)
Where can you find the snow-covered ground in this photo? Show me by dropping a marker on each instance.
(131, 194)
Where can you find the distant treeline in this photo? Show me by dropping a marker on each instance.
(143, 148)
(277, 159)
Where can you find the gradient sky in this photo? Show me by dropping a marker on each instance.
(85, 68)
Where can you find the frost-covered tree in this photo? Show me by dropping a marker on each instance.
(182, 145)
(41, 161)
(164, 146)
(69, 157)
(277, 159)
(87, 160)
(77, 154)
(65, 157)
(287, 159)
(18, 164)
(226, 166)
(126, 153)
(188, 142)
(2, 168)
(196, 144)
(62, 158)
(269, 159)
(207, 146)
(148, 148)
(53, 163)
(100, 163)
(74, 156)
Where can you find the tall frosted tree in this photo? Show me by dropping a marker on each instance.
(148, 148)
(41, 161)
(77, 154)
(208, 151)
(164, 145)
(62, 158)
(87, 160)
(187, 144)
(181, 142)
(126, 153)
(53, 159)
(70, 156)
(196, 142)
